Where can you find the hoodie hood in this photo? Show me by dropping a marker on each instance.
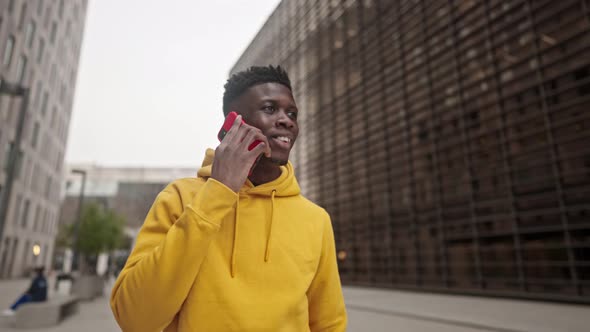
(284, 186)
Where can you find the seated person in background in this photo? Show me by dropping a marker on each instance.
(37, 292)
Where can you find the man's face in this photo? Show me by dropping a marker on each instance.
(271, 108)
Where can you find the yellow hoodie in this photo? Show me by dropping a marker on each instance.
(209, 259)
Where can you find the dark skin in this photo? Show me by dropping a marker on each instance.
(270, 113)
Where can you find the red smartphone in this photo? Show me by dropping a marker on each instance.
(229, 121)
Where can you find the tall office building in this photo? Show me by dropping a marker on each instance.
(449, 140)
(40, 43)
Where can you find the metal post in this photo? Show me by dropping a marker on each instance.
(78, 219)
(14, 90)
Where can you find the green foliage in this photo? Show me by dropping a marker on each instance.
(64, 236)
(101, 230)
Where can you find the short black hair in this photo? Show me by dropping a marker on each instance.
(239, 82)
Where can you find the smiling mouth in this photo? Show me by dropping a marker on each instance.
(283, 141)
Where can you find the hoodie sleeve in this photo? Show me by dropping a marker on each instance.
(326, 302)
(169, 250)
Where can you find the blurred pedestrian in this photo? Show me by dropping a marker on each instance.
(37, 292)
(237, 248)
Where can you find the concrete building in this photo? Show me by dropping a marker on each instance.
(128, 191)
(449, 140)
(40, 44)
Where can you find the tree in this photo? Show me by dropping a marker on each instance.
(101, 230)
(64, 236)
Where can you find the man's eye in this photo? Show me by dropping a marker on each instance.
(269, 108)
(292, 115)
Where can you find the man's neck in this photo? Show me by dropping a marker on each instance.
(265, 171)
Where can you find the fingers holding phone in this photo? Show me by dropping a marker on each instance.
(241, 146)
(228, 134)
(252, 140)
(235, 121)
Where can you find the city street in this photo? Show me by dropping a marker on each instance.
(377, 311)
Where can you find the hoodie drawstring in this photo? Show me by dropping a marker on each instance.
(268, 240)
(233, 248)
(272, 217)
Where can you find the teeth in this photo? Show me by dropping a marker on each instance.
(284, 139)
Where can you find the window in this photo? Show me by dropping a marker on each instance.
(51, 224)
(23, 12)
(52, 75)
(35, 137)
(58, 161)
(27, 251)
(37, 94)
(68, 28)
(27, 173)
(47, 16)
(61, 8)
(39, 7)
(7, 153)
(30, 34)
(20, 68)
(62, 93)
(8, 51)
(25, 214)
(17, 208)
(44, 103)
(18, 163)
(53, 115)
(33, 184)
(40, 50)
(48, 187)
(36, 219)
(53, 32)
(45, 221)
(44, 254)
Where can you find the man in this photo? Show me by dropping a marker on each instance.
(37, 292)
(230, 252)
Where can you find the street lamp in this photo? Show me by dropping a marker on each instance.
(36, 250)
(78, 221)
(14, 90)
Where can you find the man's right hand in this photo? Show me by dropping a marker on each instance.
(233, 161)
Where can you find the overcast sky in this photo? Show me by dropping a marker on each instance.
(151, 77)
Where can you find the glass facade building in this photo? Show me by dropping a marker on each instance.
(449, 140)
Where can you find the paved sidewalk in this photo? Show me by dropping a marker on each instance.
(372, 310)
(386, 310)
(93, 316)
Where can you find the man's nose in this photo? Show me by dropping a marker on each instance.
(283, 120)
